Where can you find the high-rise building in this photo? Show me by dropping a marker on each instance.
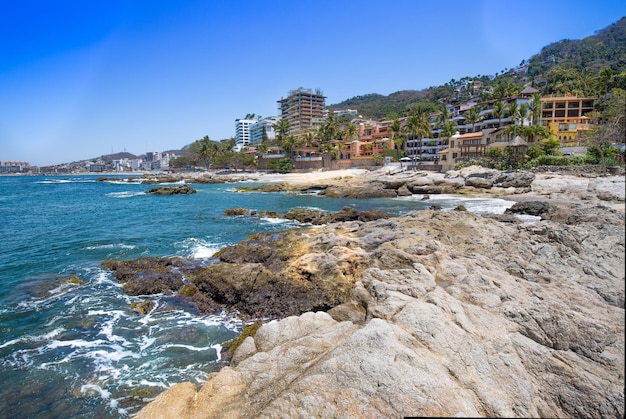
(263, 129)
(303, 109)
(242, 131)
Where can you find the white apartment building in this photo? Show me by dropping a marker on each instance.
(263, 125)
(242, 132)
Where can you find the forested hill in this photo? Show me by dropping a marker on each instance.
(563, 66)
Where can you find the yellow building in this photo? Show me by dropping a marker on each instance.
(567, 116)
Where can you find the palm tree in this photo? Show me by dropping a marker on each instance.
(535, 109)
(206, 150)
(523, 112)
(605, 80)
(448, 130)
(498, 111)
(308, 139)
(586, 81)
(350, 132)
(513, 111)
(282, 130)
(505, 88)
(418, 126)
(395, 131)
(329, 130)
(472, 116)
(444, 117)
(289, 143)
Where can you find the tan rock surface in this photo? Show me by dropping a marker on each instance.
(463, 315)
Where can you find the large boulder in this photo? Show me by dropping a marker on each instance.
(521, 179)
(485, 178)
(370, 190)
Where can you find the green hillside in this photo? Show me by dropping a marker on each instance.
(589, 67)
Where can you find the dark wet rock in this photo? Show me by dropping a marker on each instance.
(149, 275)
(529, 208)
(209, 180)
(307, 216)
(172, 190)
(371, 215)
(72, 279)
(276, 275)
(236, 211)
(270, 275)
(350, 214)
(142, 307)
(269, 214)
(317, 217)
(267, 187)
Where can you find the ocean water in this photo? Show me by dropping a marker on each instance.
(70, 344)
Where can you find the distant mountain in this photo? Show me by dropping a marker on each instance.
(116, 156)
(604, 49)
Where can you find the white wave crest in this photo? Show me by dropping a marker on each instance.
(270, 220)
(473, 205)
(34, 338)
(111, 246)
(198, 248)
(56, 181)
(125, 194)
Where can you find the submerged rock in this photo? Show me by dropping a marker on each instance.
(142, 307)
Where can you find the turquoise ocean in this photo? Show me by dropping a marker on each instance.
(70, 344)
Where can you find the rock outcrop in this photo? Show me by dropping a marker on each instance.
(391, 184)
(428, 314)
(172, 190)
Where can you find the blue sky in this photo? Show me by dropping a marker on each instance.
(79, 79)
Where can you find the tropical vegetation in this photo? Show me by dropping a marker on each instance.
(592, 67)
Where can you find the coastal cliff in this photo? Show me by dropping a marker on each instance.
(428, 314)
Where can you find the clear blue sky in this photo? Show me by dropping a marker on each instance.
(79, 79)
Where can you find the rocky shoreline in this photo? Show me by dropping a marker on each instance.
(428, 314)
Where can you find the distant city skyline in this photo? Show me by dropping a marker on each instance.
(83, 79)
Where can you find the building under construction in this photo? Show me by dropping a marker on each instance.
(303, 109)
